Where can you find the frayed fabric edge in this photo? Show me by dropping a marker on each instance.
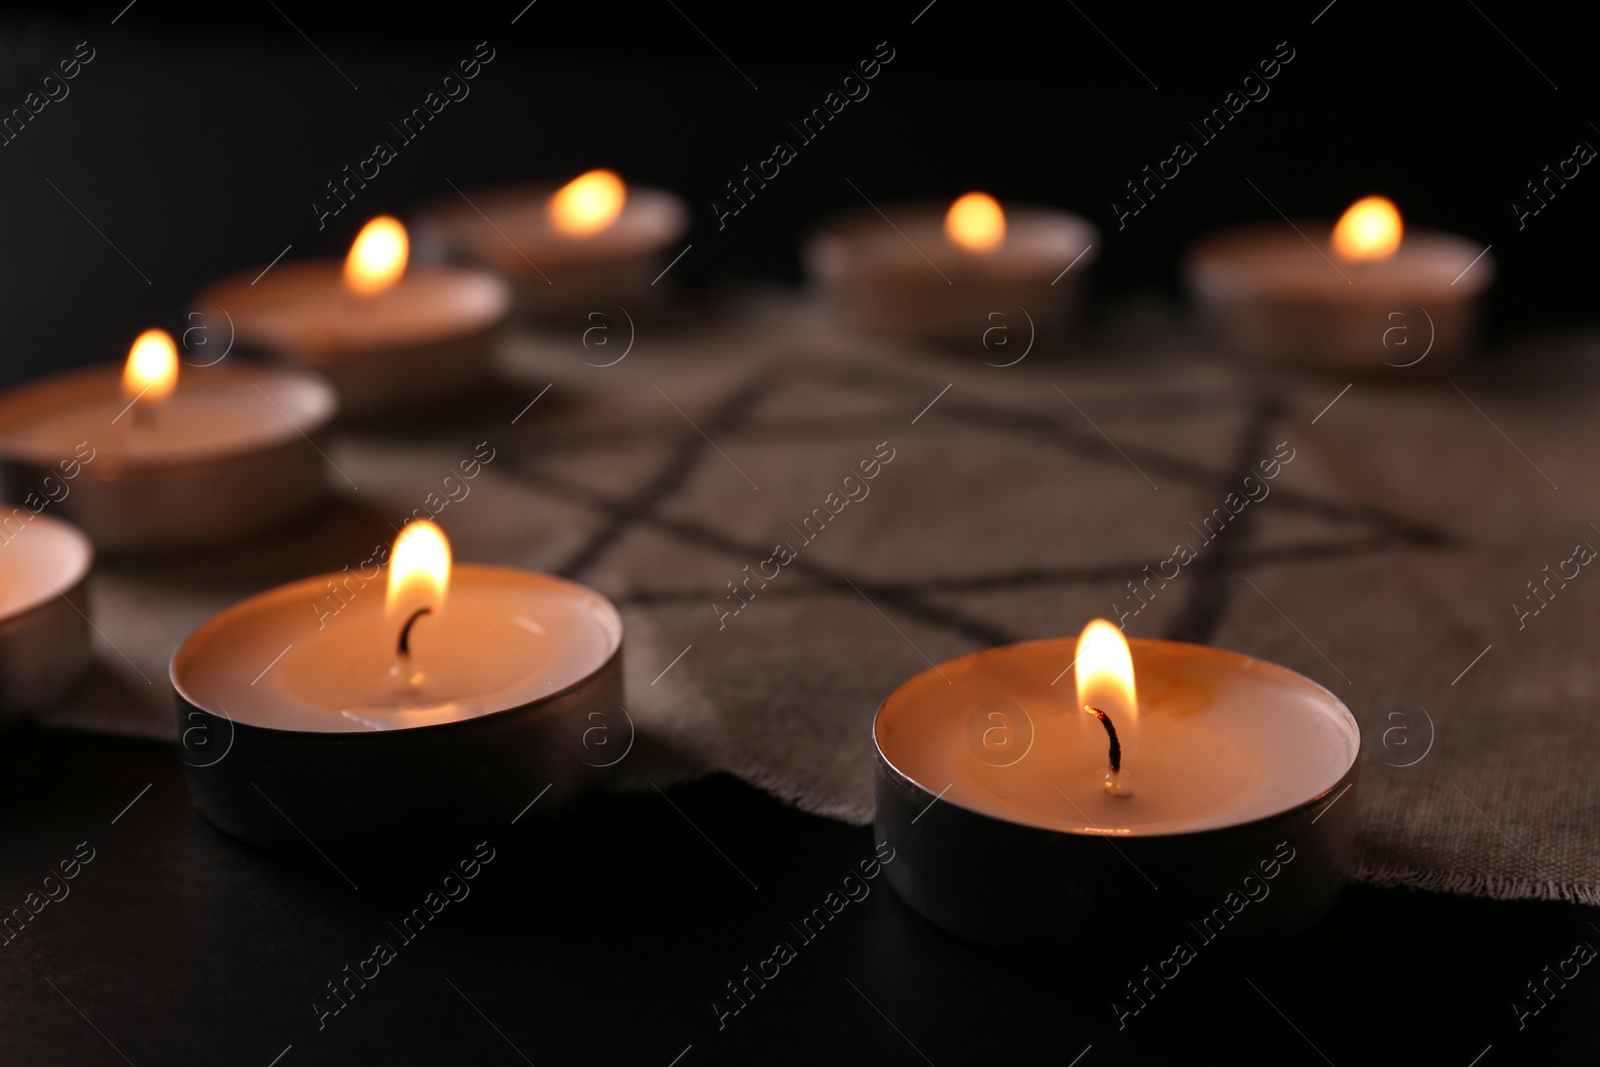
(1468, 884)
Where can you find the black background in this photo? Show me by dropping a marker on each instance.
(196, 141)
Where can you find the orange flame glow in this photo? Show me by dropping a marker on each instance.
(1105, 677)
(588, 203)
(976, 223)
(152, 368)
(378, 257)
(419, 572)
(1370, 230)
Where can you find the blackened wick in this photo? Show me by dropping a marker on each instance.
(405, 650)
(1105, 720)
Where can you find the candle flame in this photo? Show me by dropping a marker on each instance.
(378, 256)
(976, 223)
(419, 572)
(1105, 676)
(152, 368)
(588, 203)
(1370, 230)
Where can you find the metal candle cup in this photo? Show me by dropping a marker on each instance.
(44, 611)
(425, 337)
(509, 229)
(228, 456)
(1283, 293)
(292, 734)
(906, 276)
(1015, 844)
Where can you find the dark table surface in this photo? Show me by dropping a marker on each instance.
(610, 937)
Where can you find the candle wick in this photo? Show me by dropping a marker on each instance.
(405, 637)
(1105, 720)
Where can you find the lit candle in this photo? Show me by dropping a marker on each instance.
(1360, 292)
(956, 273)
(386, 331)
(434, 703)
(593, 243)
(44, 609)
(145, 458)
(1195, 762)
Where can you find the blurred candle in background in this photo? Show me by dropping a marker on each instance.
(592, 244)
(1359, 293)
(952, 273)
(387, 331)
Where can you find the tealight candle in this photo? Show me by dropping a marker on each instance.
(387, 332)
(594, 241)
(44, 609)
(144, 458)
(432, 710)
(1196, 765)
(1359, 293)
(921, 270)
